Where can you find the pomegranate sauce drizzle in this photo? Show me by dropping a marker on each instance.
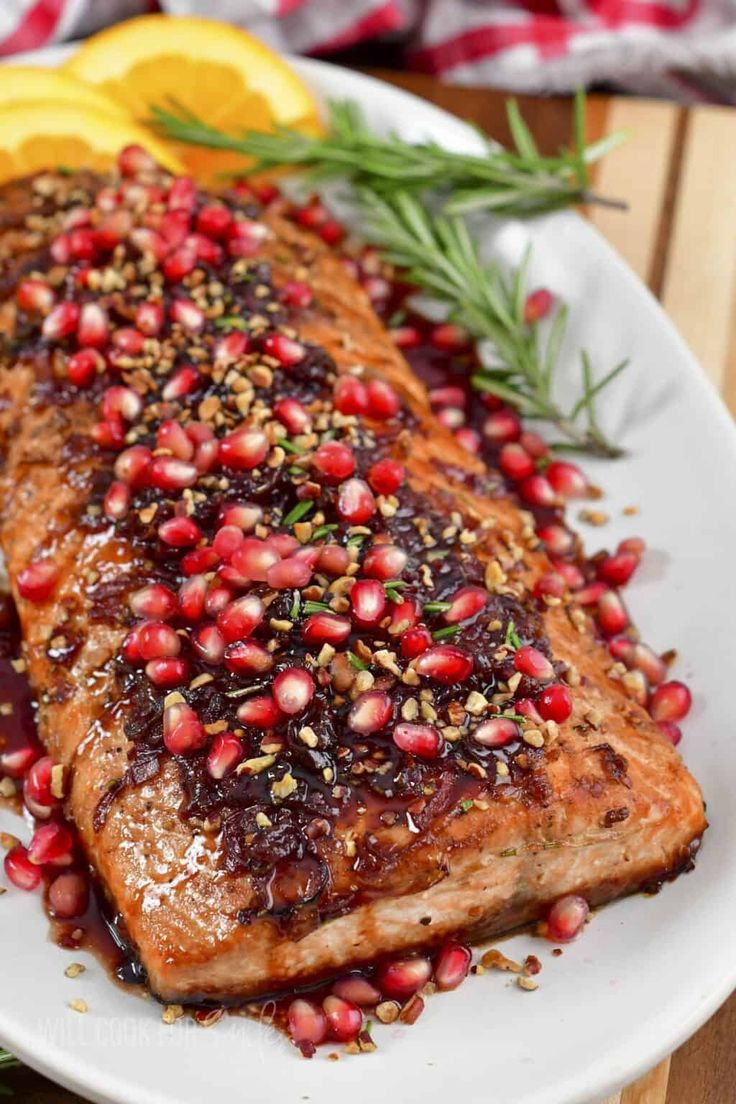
(307, 636)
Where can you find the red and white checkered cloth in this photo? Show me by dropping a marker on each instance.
(681, 48)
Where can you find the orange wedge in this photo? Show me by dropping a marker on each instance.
(52, 135)
(33, 84)
(221, 73)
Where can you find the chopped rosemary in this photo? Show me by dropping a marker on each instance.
(323, 530)
(288, 446)
(436, 607)
(467, 804)
(298, 512)
(295, 606)
(393, 588)
(358, 664)
(443, 634)
(316, 607)
(511, 639)
(508, 852)
(230, 322)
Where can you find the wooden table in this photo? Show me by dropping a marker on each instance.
(678, 174)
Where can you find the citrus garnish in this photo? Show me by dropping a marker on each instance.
(23, 84)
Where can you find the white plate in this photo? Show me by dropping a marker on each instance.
(647, 972)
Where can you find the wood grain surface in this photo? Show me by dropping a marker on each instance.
(678, 175)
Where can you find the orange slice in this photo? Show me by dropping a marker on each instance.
(221, 73)
(51, 135)
(31, 84)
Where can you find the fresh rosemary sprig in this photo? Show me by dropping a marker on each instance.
(440, 257)
(507, 182)
(7, 1061)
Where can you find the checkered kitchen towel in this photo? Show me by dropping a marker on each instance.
(681, 48)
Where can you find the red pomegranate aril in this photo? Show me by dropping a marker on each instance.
(502, 426)
(334, 461)
(533, 663)
(555, 703)
(515, 461)
(187, 314)
(383, 402)
(205, 250)
(326, 628)
(355, 502)
(404, 616)
(451, 418)
(214, 220)
(351, 395)
(51, 843)
(285, 544)
(566, 918)
(284, 349)
(82, 367)
(670, 702)
(469, 439)
(357, 989)
(69, 895)
(452, 965)
(448, 396)
(206, 456)
(331, 232)
(191, 597)
(17, 763)
(61, 321)
(445, 663)
(37, 792)
(527, 708)
(245, 515)
(35, 296)
(572, 575)
(386, 476)
(306, 1023)
(333, 559)
(20, 871)
(155, 602)
(371, 712)
(179, 532)
(293, 416)
(169, 474)
(311, 215)
(149, 318)
(181, 383)
(670, 731)
(253, 558)
(260, 712)
(559, 541)
(238, 620)
(550, 585)
(246, 237)
(403, 977)
(227, 540)
(611, 614)
(633, 545)
(60, 249)
(293, 690)
(224, 755)
(566, 479)
(231, 347)
(344, 1019)
(36, 582)
(171, 436)
(157, 640)
(649, 663)
(133, 160)
(449, 338)
(182, 194)
(415, 641)
(167, 673)
(537, 491)
(496, 732)
(465, 603)
(123, 401)
(591, 594)
(243, 449)
(295, 293)
(148, 241)
(93, 329)
(133, 465)
(384, 561)
(184, 733)
(368, 601)
(424, 741)
(406, 337)
(291, 572)
(535, 445)
(617, 570)
(217, 598)
(247, 657)
(537, 306)
(112, 229)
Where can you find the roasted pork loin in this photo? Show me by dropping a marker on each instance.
(295, 693)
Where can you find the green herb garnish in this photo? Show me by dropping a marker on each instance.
(443, 634)
(230, 322)
(296, 605)
(298, 512)
(511, 639)
(436, 607)
(316, 607)
(323, 530)
(289, 446)
(358, 664)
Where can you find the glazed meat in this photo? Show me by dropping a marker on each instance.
(283, 630)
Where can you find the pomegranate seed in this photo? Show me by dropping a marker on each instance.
(344, 1019)
(284, 544)
(502, 426)
(368, 601)
(205, 457)
(20, 870)
(61, 321)
(445, 663)
(205, 250)
(449, 338)
(533, 663)
(358, 990)
(611, 614)
(171, 436)
(149, 318)
(240, 618)
(535, 445)
(112, 229)
(156, 640)
(636, 687)
(292, 415)
(128, 342)
(243, 449)
(351, 396)
(192, 594)
(35, 296)
(122, 401)
(134, 160)
(179, 532)
(313, 215)
(451, 418)
(214, 220)
(371, 712)
(36, 582)
(649, 663)
(404, 616)
(537, 491)
(415, 641)
(93, 329)
(424, 741)
(384, 561)
(149, 242)
(130, 649)
(109, 435)
(634, 545)
(198, 561)
(169, 474)
(293, 572)
(182, 194)
(260, 712)
(469, 439)
(617, 570)
(537, 306)
(246, 657)
(670, 731)
(283, 349)
(17, 763)
(383, 402)
(243, 514)
(83, 367)
(555, 703)
(571, 574)
(293, 690)
(187, 314)
(181, 383)
(567, 479)
(184, 733)
(550, 585)
(448, 396)
(452, 965)
(355, 502)
(167, 673)
(333, 559)
(226, 541)
(133, 465)
(403, 977)
(386, 476)
(306, 1023)
(224, 755)
(60, 249)
(559, 541)
(217, 598)
(376, 288)
(670, 702)
(406, 337)
(253, 558)
(496, 732)
(326, 628)
(155, 602)
(331, 232)
(566, 918)
(515, 461)
(335, 461)
(246, 238)
(231, 347)
(527, 708)
(51, 843)
(466, 603)
(69, 895)
(591, 594)
(296, 294)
